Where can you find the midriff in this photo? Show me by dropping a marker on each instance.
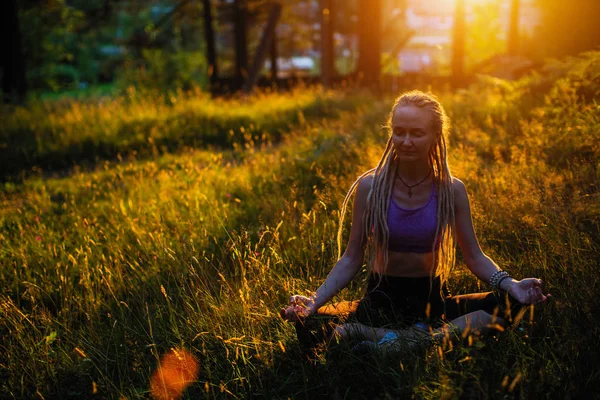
(410, 265)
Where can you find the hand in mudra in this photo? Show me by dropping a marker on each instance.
(529, 291)
(300, 307)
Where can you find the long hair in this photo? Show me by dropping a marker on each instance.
(376, 211)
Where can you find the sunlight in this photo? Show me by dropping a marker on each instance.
(446, 3)
(158, 209)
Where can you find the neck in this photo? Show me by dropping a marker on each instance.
(414, 171)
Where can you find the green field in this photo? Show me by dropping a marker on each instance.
(137, 224)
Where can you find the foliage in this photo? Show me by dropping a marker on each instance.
(103, 271)
(73, 44)
(47, 35)
(162, 71)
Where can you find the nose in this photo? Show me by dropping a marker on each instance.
(406, 139)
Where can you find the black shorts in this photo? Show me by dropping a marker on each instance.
(400, 302)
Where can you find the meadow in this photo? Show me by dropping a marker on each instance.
(143, 223)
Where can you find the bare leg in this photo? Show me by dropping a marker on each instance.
(360, 331)
(476, 320)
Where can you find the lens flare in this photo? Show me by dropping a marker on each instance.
(177, 370)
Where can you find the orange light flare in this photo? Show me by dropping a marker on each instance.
(177, 369)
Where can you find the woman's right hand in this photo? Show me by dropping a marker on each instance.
(300, 307)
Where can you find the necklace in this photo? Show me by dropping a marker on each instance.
(412, 186)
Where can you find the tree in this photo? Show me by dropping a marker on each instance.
(240, 39)
(209, 35)
(327, 53)
(263, 46)
(513, 29)
(47, 35)
(14, 86)
(369, 41)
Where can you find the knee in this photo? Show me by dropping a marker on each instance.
(479, 319)
(483, 319)
(349, 330)
(341, 331)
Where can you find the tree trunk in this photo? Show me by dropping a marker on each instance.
(241, 45)
(274, 55)
(369, 42)
(513, 30)
(261, 51)
(14, 84)
(209, 36)
(458, 45)
(327, 53)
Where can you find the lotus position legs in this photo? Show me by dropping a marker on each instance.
(476, 320)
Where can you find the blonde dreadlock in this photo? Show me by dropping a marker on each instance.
(376, 211)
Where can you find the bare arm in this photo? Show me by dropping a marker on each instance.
(349, 264)
(345, 268)
(480, 264)
(526, 291)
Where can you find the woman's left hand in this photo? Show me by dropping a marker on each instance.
(528, 291)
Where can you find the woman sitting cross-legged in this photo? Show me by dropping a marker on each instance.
(408, 214)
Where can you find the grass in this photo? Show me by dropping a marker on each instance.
(55, 135)
(105, 269)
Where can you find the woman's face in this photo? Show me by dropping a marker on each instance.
(412, 133)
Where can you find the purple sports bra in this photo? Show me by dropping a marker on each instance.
(413, 231)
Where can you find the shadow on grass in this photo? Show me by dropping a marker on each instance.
(25, 151)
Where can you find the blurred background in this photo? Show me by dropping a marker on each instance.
(154, 217)
(79, 47)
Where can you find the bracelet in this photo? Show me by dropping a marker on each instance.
(493, 277)
(500, 276)
(501, 279)
(497, 277)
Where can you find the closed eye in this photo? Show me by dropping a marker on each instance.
(415, 132)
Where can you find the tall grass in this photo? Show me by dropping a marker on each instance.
(104, 270)
(54, 135)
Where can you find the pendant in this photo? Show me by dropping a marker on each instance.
(409, 192)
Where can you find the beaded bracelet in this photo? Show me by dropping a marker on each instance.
(501, 275)
(497, 277)
(493, 277)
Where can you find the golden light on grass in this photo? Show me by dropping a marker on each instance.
(176, 371)
(533, 205)
(514, 382)
(497, 327)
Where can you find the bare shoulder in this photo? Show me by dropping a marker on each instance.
(364, 186)
(460, 191)
(458, 185)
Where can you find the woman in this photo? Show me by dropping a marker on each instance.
(408, 214)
